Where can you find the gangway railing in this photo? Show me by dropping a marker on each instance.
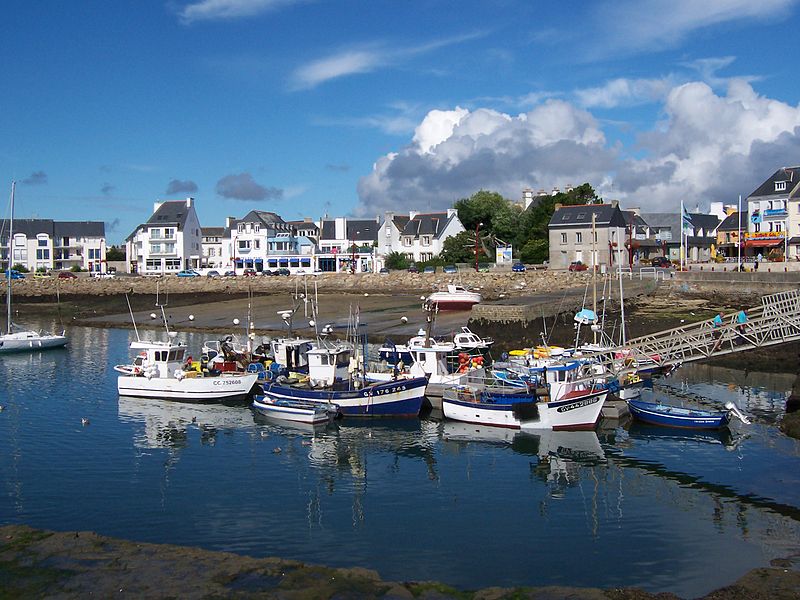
(776, 321)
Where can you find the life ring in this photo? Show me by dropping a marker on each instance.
(137, 370)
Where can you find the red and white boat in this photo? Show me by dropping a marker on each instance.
(457, 297)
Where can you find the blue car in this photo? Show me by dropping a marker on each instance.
(518, 268)
(15, 274)
(188, 273)
(450, 269)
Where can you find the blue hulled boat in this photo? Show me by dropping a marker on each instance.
(330, 382)
(667, 415)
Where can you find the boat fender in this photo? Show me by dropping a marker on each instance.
(179, 374)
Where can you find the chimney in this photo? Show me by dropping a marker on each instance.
(307, 220)
(555, 191)
(541, 193)
(614, 203)
(568, 187)
(452, 212)
(156, 205)
(229, 221)
(189, 202)
(557, 206)
(412, 213)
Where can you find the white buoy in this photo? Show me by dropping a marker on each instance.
(404, 319)
(311, 323)
(191, 317)
(236, 321)
(153, 315)
(366, 294)
(84, 421)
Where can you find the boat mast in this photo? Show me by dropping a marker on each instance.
(594, 276)
(10, 252)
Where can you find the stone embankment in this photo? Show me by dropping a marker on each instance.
(493, 285)
(38, 564)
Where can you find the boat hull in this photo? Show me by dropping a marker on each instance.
(188, 389)
(295, 411)
(579, 412)
(401, 398)
(30, 342)
(673, 416)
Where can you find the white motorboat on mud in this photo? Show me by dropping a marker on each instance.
(457, 297)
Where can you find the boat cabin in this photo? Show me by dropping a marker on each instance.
(326, 365)
(161, 359)
(292, 353)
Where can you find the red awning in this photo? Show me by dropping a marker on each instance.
(762, 243)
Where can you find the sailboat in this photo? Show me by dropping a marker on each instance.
(22, 341)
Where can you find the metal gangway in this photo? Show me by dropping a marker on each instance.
(776, 321)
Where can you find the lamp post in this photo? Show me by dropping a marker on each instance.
(477, 227)
(235, 241)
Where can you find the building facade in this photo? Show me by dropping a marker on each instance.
(773, 217)
(594, 234)
(419, 236)
(347, 245)
(170, 241)
(46, 245)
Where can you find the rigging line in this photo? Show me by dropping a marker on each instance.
(558, 312)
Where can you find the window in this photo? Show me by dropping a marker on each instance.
(153, 265)
(426, 240)
(780, 186)
(407, 240)
(240, 228)
(563, 238)
(169, 233)
(42, 254)
(578, 238)
(173, 264)
(42, 242)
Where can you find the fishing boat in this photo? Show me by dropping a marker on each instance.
(563, 394)
(332, 379)
(159, 371)
(456, 297)
(22, 341)
(667, 415)
(297, 411)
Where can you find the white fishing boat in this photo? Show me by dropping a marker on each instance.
(456, 297)
(159, 371)
(297, 411)
(22, 341)
(557, 396)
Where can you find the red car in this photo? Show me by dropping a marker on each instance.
(577, 266)
(67, 275)
(250, 272)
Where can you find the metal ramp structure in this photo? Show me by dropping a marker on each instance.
(776, 321)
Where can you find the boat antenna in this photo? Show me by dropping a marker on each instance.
(130, 310)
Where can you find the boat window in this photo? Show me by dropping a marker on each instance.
(179, 354)
(342, 359)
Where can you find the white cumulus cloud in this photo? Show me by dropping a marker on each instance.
(708, 147)
(210, 10)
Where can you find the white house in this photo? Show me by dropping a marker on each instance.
(43, 244)
(420, 236)
(168, 242)
(347, 245)
(212, 247)
(773, 216)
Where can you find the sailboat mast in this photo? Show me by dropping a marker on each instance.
(594, 275)
(10, 252)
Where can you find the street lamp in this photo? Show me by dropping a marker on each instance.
(477, 227)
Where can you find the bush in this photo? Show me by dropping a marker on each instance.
(20, 268)
(75, 269)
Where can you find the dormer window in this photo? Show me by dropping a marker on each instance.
(780, 186)
(240, 228)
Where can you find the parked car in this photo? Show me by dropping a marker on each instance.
(41, 275)
(188, 273)
(67, 275)
(429, 270)
(413, 269)
(577, 266)
(450, 269)
(230, 273)
(384, 271)
(283, 271)
(250, 272)
(213, 273)
(15, 274)
(518, 268)
(661, 261)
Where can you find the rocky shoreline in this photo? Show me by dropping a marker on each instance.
(38, 563)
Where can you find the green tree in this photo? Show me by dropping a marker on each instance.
(396, 261)
(459, 248)
(534, 251)
(115, 253)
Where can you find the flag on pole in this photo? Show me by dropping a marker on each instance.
(686, 220)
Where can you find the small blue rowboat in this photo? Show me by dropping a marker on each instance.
(667, 415)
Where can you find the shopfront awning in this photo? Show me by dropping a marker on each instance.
(762, 243)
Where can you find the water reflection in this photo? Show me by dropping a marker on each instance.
(165, 422)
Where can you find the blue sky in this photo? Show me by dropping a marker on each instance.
(314, 107)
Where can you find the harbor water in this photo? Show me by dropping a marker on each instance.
(418, 499)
